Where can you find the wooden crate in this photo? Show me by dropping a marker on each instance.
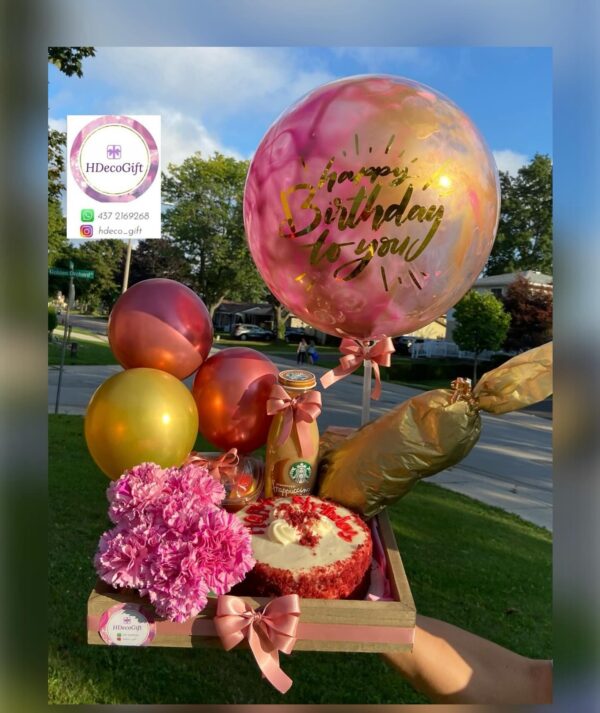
(324, 625)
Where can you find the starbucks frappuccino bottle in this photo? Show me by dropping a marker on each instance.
(293, 441)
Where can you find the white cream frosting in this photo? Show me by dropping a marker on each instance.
(278, 545)
(282, 532)
(322, 527)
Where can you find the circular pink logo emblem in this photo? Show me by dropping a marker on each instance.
(127, 625)
(114, 159)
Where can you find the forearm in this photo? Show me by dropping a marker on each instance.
(451, 665)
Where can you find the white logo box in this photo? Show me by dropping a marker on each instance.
(113, 177)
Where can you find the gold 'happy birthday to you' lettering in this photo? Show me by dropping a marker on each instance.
(360, 210)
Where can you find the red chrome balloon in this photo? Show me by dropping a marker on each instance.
(160, 324)
(231, 390)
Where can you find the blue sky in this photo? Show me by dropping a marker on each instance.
(225, 98)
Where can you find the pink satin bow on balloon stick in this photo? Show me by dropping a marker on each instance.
(221, 466)
(355, 353)
(268, 631)
(298, 412)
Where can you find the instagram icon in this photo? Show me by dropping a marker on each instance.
(86, 231)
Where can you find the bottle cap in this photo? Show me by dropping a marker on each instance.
(297, 379)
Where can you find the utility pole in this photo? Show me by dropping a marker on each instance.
(127, 264)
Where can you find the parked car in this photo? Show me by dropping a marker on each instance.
(403, 345)
(252, 332)
(293, 335)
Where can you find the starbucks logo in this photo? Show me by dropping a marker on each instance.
(300, 472)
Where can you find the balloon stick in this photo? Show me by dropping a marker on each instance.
(366, 395)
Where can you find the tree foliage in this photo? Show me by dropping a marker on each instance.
(107, 259)
(205, 220)
(161, 257)
(481, 323)
(524, 238)
(530, 310)
(56, 163)
(52, 319)
(58, 244)
(69, 59)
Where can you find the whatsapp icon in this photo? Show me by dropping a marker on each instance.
(87, 215)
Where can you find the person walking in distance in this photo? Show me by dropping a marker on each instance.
(301, 351)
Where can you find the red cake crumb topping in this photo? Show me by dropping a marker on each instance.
(301, 514)
(309, 539)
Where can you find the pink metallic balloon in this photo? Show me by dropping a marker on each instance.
(160, 324)
(371, 206)
(231, 390)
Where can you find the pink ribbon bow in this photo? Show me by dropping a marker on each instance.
(298, 412)
(219, 467)
(355, 353)
(268, 631)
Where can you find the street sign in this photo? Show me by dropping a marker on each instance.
(63, 272)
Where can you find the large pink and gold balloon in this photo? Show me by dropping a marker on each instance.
(231, 390)
(160, 324)
(371, 206)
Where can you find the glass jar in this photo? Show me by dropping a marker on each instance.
(242, 478)
(246, 486)
(289, 469)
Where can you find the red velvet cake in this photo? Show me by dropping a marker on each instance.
(307, 546)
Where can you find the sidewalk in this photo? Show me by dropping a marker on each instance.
(529, 503)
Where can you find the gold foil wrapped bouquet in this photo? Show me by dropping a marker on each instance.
(426, 434)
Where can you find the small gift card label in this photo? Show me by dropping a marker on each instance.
(127, 625)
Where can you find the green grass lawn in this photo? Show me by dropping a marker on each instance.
(89, 353)
(467, 563)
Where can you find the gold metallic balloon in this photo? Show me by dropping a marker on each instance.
(140, 415)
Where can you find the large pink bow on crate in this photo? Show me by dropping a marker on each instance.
(222, 466)
(268, 631)
(355, 353)
(298, 412)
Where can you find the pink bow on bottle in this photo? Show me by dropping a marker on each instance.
(298, 411)
(268, 631)
(219, 467)
(355, 353)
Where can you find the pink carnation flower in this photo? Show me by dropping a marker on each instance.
(171, 541)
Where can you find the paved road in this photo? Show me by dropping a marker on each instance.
(510, 467)
(94, 324)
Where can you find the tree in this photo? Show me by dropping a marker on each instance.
(530, 310)
(280, 314)
(481, 323)
(57, 237)
(205, 220)
(159, 257)
(524, 238)
(107, 259)
(56, 163)
(69, 59)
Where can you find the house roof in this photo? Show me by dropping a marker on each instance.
(535, 278)
(244, 307)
